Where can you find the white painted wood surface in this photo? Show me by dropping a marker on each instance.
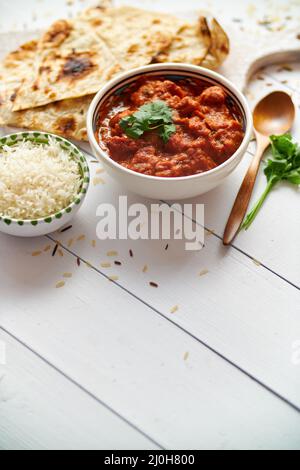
(42, 409)
(107, 363)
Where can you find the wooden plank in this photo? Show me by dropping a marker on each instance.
(144, 367)
(264, 333)
(121, 350)
(41, 409)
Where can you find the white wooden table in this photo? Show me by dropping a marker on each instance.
(106, 365)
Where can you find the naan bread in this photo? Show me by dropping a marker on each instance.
(115, 39)
(134, 36)
(16, 65)
(71, 61)
(219, 48)
(66, 118)
(75, 58)
(191, 44)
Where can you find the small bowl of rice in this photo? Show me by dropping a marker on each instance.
(43, 182)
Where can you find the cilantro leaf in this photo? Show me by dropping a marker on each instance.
(151, 116)
(284, 166)
(282, 146)
(166, 132)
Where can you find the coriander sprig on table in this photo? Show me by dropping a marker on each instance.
(283, 166)
(152, 116)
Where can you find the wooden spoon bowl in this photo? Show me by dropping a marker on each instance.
(274, 114)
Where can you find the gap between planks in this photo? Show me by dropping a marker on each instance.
(184, 330)
(81, 387)
(219, 237)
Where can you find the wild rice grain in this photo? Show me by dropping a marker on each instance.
(55, 250)
(131, 253)
(153, 284)
(118, 263)
(78, 262)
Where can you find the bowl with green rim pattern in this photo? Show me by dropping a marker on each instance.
(50, 222)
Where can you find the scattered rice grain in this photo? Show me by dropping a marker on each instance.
(113, 278)
(256, 262)
(209, 232)
(36, 253)
(145, 269)
(111, 254)
(81, 238)
(47, 248)
(70, 242)
(174, 309)
(203, 272)
(67, 275)
(60, 284)
(186, 356)
(97, 181)
(105, 265)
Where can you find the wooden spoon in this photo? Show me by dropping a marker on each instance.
(274, 114)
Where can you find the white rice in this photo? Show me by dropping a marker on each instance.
(36, 180)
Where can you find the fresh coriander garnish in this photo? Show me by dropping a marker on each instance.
(284, 166)
(149, 117)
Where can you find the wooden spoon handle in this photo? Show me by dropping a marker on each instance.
(244, 195)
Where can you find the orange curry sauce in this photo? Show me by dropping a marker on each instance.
(209, 128)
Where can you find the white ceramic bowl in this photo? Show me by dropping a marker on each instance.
(51, 223)
(169, 188)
